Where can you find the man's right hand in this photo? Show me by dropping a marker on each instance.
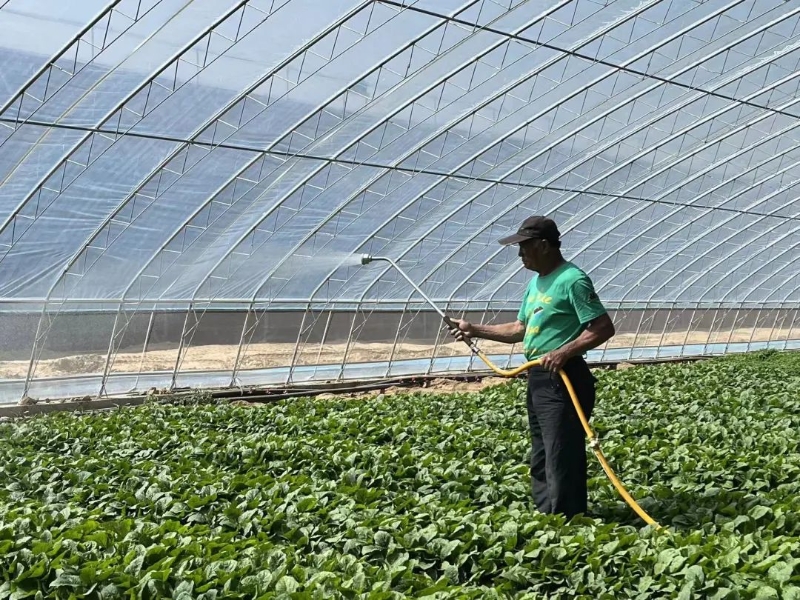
(463, 330)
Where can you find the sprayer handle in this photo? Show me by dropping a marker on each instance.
(449, 322)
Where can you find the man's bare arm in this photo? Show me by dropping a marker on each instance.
(597, 333)
(508, 333)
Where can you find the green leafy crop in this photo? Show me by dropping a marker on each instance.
(411, 496)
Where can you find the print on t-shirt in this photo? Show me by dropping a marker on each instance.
(556, 308)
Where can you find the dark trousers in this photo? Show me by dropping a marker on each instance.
(558, 456)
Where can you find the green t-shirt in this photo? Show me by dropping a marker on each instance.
(556, 309)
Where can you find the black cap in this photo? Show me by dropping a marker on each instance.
(534, 228)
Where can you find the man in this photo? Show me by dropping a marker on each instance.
(561, 318)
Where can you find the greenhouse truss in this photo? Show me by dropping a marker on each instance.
(186, 185)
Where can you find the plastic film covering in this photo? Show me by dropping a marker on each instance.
(186, 185)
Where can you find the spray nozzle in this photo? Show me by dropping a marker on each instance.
(366, 259)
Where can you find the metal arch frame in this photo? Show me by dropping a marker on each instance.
(701, 173)
(64, 161)
(638, 96)
(50, 64)
(49, 67)
(308, 178)
(708, 17)
(768, 275)
(638, 155)
(675, 36)
(747, 260)
(442, 261)
(191, 309)
(64, 49)
(265, 154)
(666, 140)
(388, 170)
(421, 145)
(162, 166)
(365, 4)
(744, 301)
(173, 59)
(352, 143)
(590, 193)
(785, 299)
(218, 117)
(459, 248)
(690, 281)
(360, 301)
(694, 278)
(121, 205)
(635, 72)
(555, 105)
(261, 155)
(705, 146)
(654, 86)
(91, 136)
(740, 193)
(718, 244)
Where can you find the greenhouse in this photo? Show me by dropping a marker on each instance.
(235, 236)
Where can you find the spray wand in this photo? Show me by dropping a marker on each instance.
(594, 442)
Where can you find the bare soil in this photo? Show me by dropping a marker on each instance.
(260, 356)
(434, 386)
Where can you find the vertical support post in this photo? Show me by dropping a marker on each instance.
(791, 328)
(471, 361)
(438, 342)
(779, 311)
(40, 335)
(689, 328)
(754, 328)
(605, 348)
(758, 313)
(711, 329)
(349, 341)
(110, 352)
(178, 359)
(397, 335)
(145, 345)
(328, 320)
(235, 371)
(733, 328)
(638, 330)
(660, 342)
(296, 350)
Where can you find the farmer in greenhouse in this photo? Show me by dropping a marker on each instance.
(561, 317)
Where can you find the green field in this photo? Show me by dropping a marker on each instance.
(416, 495)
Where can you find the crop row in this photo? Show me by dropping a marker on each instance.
(411, 495)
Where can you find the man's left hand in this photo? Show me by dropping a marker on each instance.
(555, 360)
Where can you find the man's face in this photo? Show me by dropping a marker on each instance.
(531, 251)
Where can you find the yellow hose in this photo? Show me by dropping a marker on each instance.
(594, 443)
